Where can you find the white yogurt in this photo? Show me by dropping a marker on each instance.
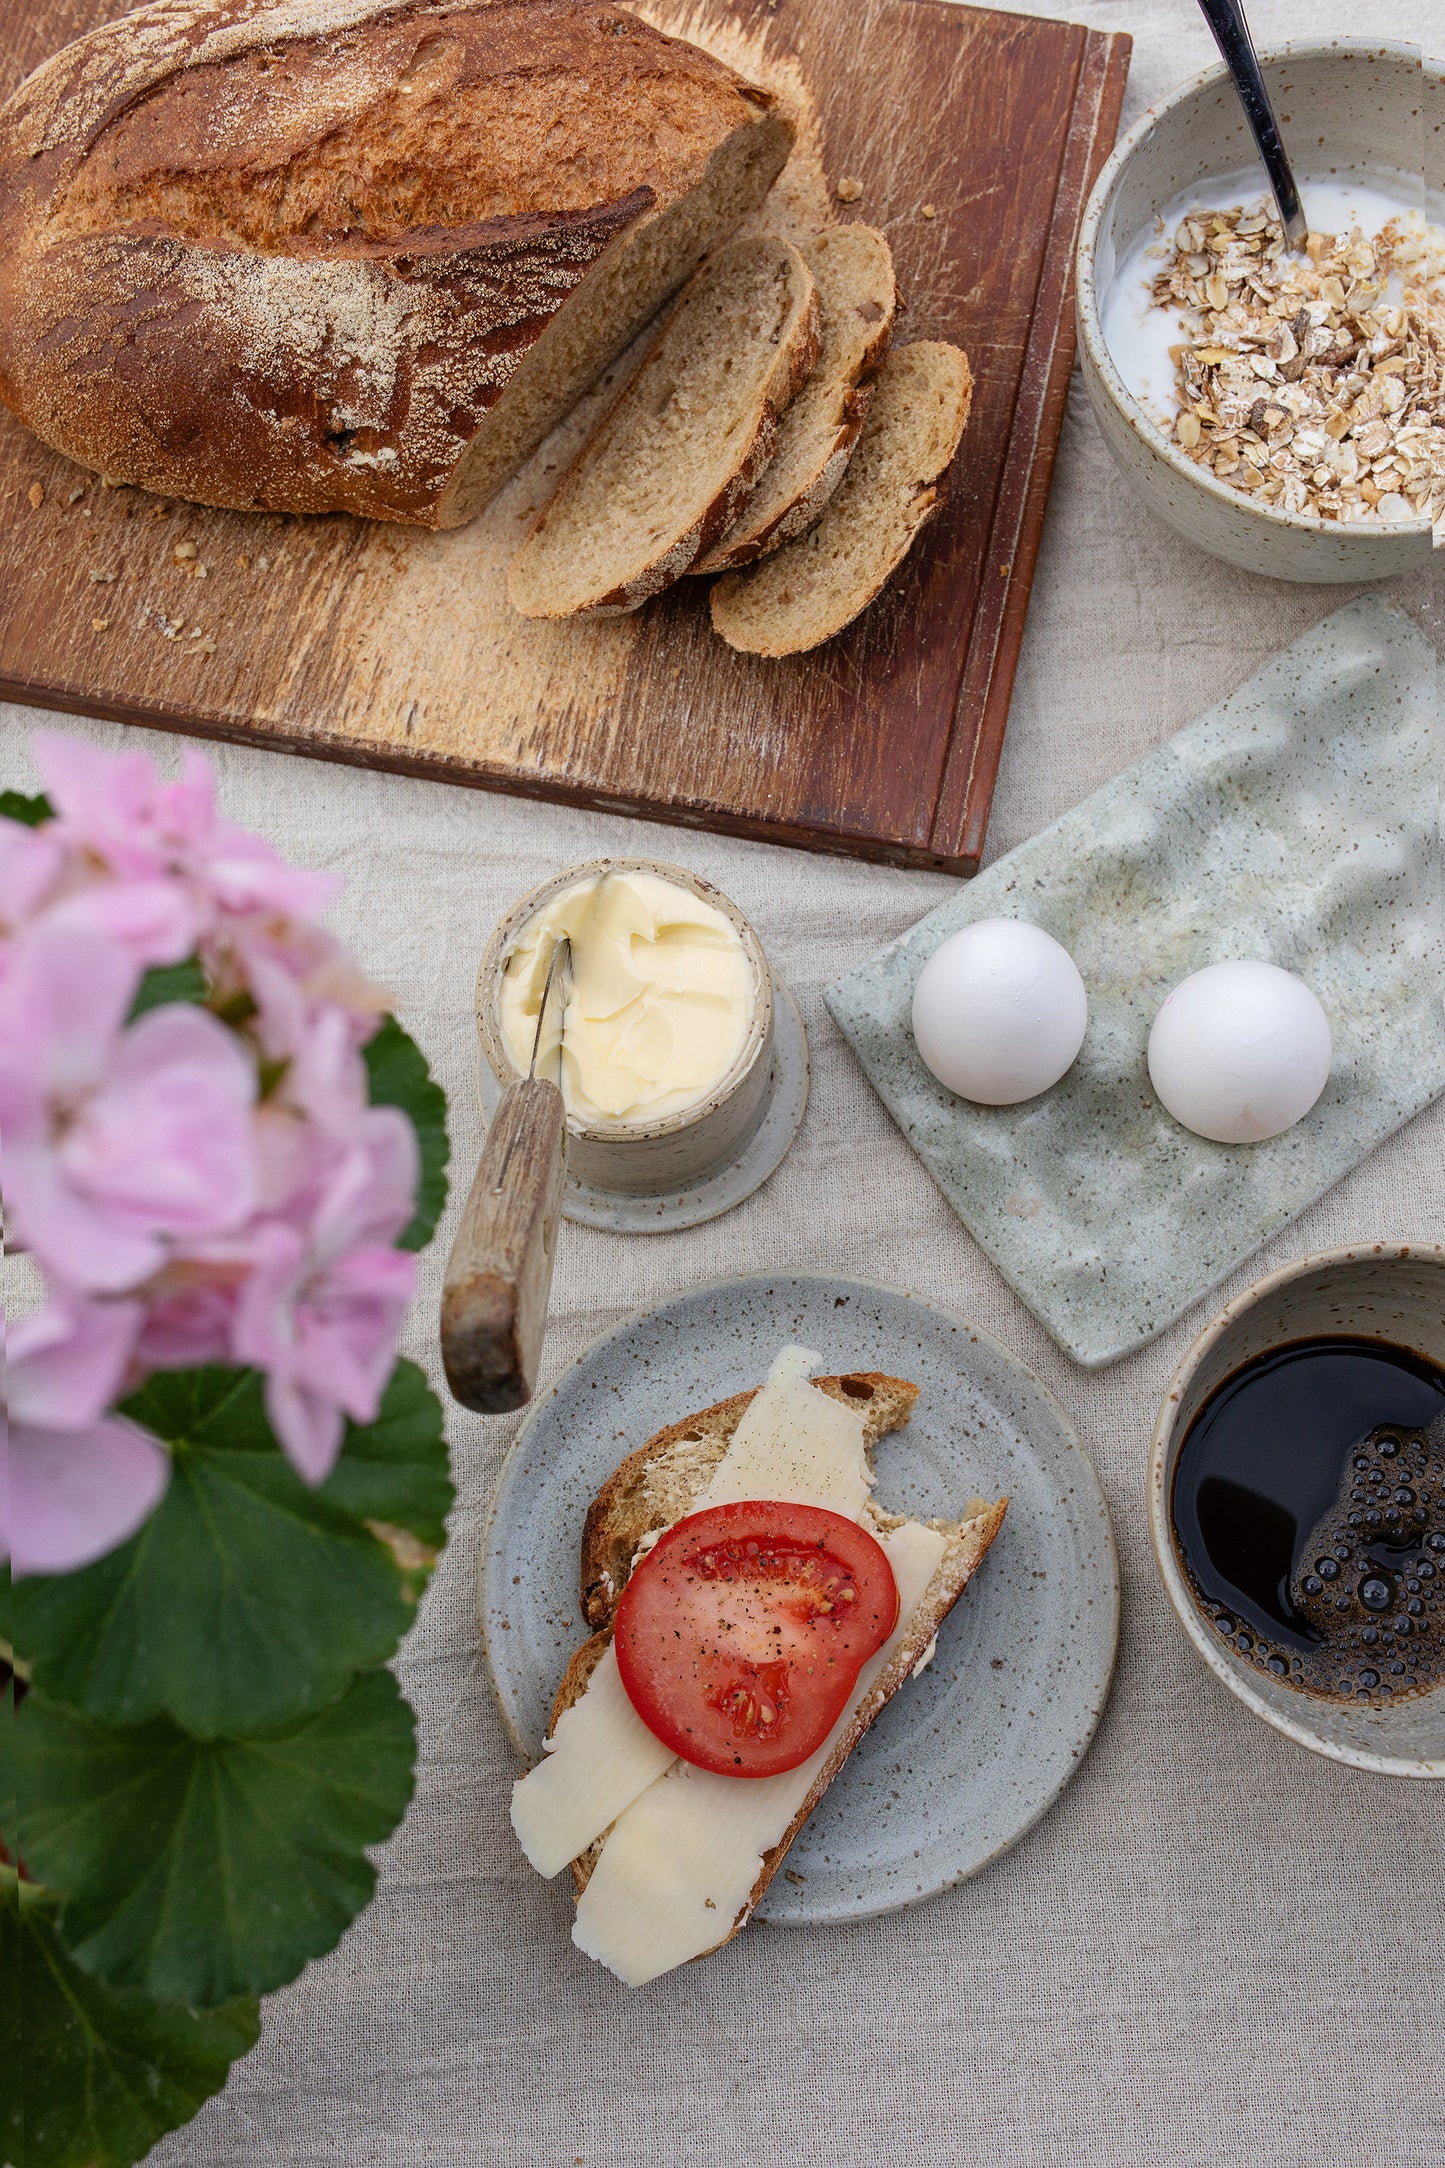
(1139, 335)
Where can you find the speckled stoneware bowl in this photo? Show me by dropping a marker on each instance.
(1373, 1291)
(1297, 822)
(679, 1151)
(1354, 106)
(970, 1754)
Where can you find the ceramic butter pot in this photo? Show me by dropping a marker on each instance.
(675, 1151)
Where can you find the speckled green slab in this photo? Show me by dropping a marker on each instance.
(1299, 822)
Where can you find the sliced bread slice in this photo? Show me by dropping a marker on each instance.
(659, 1483)
(852, 267)
(672, 463)
(810, 589)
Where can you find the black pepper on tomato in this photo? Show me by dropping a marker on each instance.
(741, 1634)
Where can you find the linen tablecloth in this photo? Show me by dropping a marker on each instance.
(1217, 1951)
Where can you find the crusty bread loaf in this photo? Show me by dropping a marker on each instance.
(852, 268)
(810, 589)
(674, 460)
(353, 255)
(659, 1483)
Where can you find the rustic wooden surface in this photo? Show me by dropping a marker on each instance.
(395, 648)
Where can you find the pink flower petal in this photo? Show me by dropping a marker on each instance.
(70, 1496)
(155, 921)
(31, 860)
(65, 1364)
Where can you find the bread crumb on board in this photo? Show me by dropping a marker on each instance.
(37, 496)
(849, 190)
(929, 211)
(100, 624)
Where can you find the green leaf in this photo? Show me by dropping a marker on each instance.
(8, 1838)
(165, 983)
(395, 1470)
(99, 2073)
(15, 806)
(246, 1598)
(202, 1869)
(400, 1078)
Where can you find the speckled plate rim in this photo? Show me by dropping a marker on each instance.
(1160, 1523)
(1109, 1592)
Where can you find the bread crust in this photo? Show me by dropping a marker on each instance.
(794, 359)
(295, 257)
(853, 364)
(686, 1452)
(731, 597)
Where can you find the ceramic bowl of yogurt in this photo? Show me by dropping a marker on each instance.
(1365, 125)
(664, 1054)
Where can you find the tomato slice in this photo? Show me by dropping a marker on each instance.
(741, 1634)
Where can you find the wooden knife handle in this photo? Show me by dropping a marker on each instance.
(499, 1275)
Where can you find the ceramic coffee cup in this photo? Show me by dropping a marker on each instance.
(1372, 1291)
(678, 1150)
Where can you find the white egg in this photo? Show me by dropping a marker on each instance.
(1240, 1052)
(999, 1012)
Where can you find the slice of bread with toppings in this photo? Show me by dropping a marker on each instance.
(671, 464)
(661, 1482)
(852, 268)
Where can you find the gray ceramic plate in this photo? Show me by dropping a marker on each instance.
(969, 1755)
(1297, 822)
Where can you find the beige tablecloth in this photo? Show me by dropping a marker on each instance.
(1217, 1951)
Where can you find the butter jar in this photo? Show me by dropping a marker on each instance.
(669, 1058)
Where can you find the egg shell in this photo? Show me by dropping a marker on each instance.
(1240, 1052)
(999, 1012)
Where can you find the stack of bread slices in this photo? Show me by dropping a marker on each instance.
(771, 434)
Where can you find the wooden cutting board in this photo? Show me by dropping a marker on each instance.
(395, 648)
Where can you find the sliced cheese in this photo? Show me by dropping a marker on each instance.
(682, 1861)
(597, 1761)
(794, 1443)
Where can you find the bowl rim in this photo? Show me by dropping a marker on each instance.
(509, 930)
(1091, 325)
(1164, 1447)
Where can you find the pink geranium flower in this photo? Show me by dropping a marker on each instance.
(117, 808)
(321, 1309)
(118, 1143)
(76, 1481)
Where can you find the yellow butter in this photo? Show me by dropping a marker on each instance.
(661, 997)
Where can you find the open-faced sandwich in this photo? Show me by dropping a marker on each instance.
(754, 1610)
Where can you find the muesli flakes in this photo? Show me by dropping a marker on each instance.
(1314, 382)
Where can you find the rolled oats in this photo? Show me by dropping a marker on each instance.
(1314, 382)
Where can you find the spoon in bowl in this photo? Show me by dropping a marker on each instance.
(1231, 34)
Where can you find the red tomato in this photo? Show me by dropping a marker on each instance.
(741, 1634)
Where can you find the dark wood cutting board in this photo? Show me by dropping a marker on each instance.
(394, 648)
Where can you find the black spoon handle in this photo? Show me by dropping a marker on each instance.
(1231, 34)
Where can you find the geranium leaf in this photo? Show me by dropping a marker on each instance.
(395, 1470)
(247, 1597)
(15, 806)
(400, 1077)
(202, 1869)
(164, 983)
(100, 2073)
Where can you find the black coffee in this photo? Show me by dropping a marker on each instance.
(1309, 1517)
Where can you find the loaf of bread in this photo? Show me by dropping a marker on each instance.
(353, 255)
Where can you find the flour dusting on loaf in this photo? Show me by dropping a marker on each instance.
(353, 254)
